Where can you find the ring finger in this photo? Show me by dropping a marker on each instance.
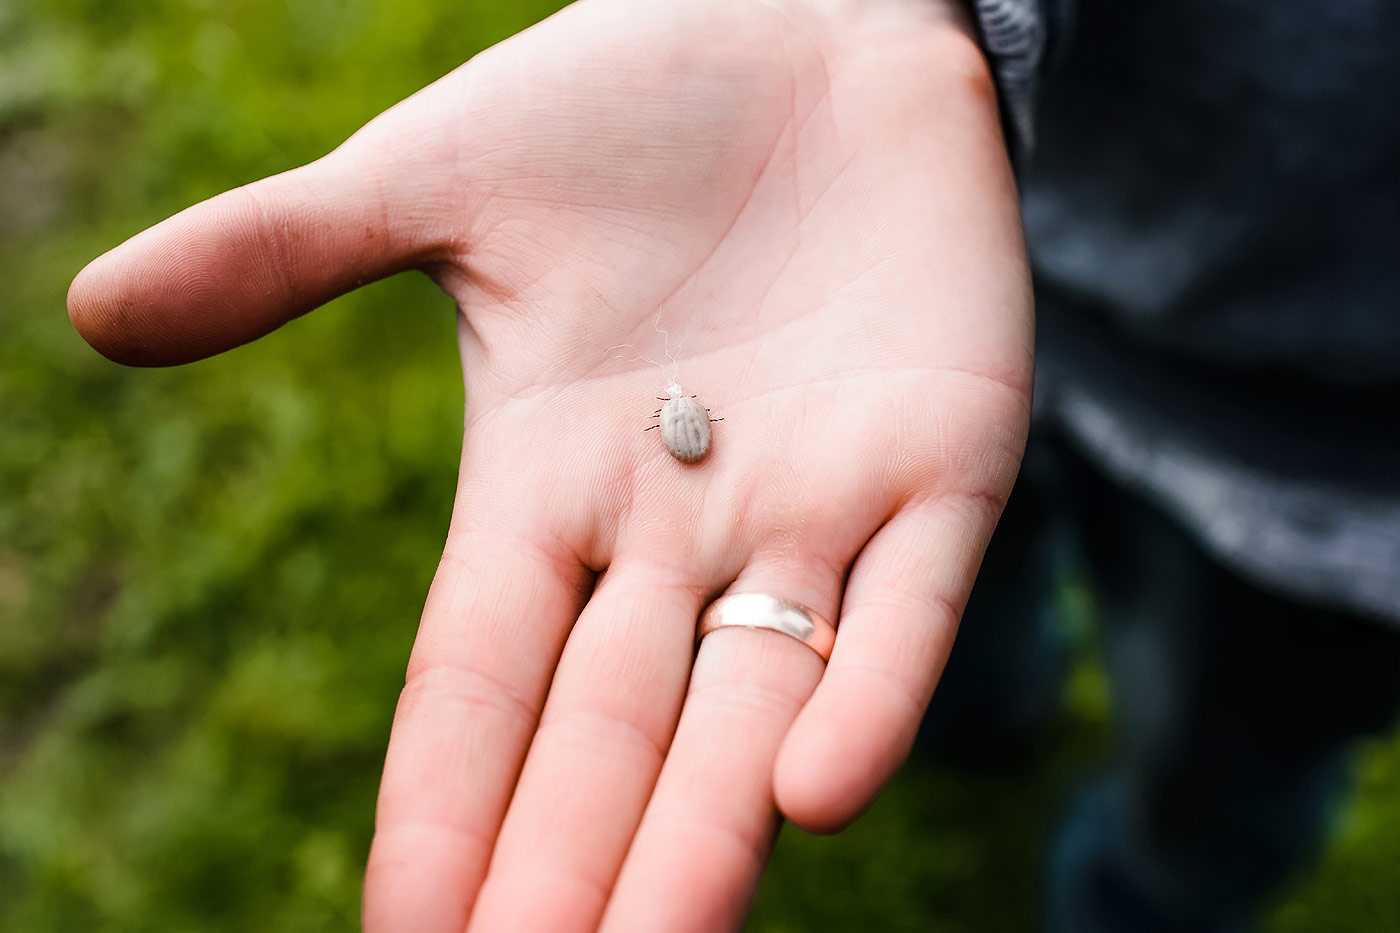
(708, 830)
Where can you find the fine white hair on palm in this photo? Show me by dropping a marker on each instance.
(684, 422)
(670, 369)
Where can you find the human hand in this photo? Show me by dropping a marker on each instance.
(814, 198)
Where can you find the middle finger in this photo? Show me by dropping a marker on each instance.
(602, 736)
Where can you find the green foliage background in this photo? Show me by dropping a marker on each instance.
(210, 577)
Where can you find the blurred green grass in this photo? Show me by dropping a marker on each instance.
(210, 576)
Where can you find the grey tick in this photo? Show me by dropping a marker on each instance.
(685, 425)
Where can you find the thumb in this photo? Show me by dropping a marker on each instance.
(241, 264)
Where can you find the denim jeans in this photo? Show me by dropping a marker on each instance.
(1236, 712)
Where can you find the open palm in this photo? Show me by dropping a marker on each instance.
(811, 200)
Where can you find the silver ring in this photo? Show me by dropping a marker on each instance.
(759, 610)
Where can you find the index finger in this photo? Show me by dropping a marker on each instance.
(492, 630)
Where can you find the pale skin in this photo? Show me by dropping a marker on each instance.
(815, 196)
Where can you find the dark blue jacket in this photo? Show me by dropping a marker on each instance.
(1211, 195)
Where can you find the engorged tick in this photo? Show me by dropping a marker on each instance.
(684, 424)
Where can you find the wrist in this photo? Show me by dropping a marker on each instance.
(927, 50)
(932, 41)
(887, 15)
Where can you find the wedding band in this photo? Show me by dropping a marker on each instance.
(759, 610)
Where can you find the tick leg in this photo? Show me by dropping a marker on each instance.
(712, 419)
(652, 428)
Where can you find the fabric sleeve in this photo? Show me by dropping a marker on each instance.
(1020, 38)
